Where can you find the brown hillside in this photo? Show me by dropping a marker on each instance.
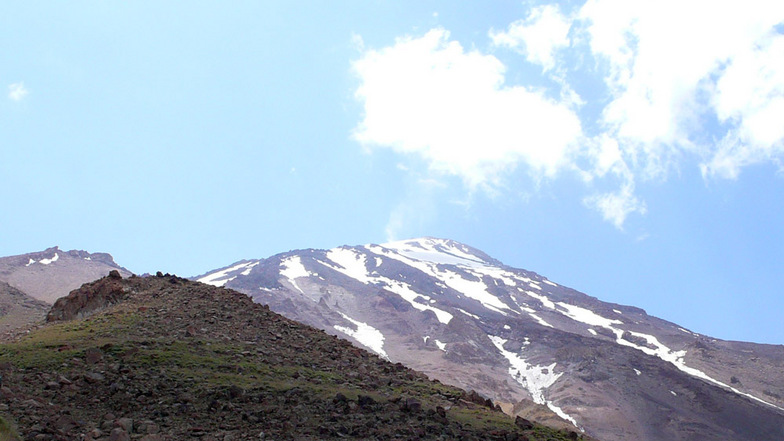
(163, 358)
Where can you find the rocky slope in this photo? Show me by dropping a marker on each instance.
(164, 358)
(18, 310)
(462, 317)
(53, 273)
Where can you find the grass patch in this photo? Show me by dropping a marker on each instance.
(482, 418)
(50, 346)
(8, 431)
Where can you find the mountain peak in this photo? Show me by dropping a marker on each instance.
(462, 317)
(440, 251)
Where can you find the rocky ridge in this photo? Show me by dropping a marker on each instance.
(164, 358)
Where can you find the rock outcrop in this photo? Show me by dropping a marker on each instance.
(89, 298)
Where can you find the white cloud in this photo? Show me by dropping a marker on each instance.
(429, 96)
(17, 91)
(538, 37)
(662, 63)
(750, 96)
(615, 207)
(697, 83)
(606, 160)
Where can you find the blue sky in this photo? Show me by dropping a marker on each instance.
(630, 151)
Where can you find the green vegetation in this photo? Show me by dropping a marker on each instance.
(51, 345)
(7, 431)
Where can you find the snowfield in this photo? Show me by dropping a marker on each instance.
(365, 334)
(534, 378)
(221, 277)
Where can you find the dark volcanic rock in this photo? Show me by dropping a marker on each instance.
(89, 298)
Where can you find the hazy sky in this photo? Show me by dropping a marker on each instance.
(631, 150)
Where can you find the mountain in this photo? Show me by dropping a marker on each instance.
(50, 274)
(164, 358)
(464, 318)
(18, 310)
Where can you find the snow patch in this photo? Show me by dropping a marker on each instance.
(535, 379)
(507, 327)
(637, 372)
(659, 350)
(30, 262)
(617, 312)
(220, 278)
(48, 261)
(469, 314)
(365, 334)
(425, 267)
(586, 316)
(247, 271)
(547, 303)
(496, 273)
(294, 269)
(549, 282)
(427, 254)
(563, 414)
(540, 320)
(672, 392)
(476, 290)
(532, 313)
(441, 346)
(575, 312)
(592, 331)
(676, 359)
(404, 291)
(353, 264)
(436, 251)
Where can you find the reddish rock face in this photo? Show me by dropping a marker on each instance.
(89, 298)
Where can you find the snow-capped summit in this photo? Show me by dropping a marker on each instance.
(443, 251)
(534, 346)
